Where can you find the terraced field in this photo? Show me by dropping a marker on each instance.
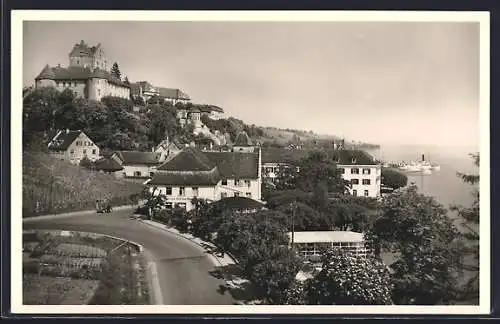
(80, 268)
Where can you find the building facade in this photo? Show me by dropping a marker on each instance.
(137, 165)
(207, 175)
(72, 146)
(146, 91)
(87, 75)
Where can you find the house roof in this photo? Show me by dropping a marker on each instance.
(63, 139)
(172, 93)
(59, 73)
(107, 164)
(236, 165)
(243, 139)
(353, 157)
(189, 159)
(238, 203)
(326, 236)
(202, 178)
(139, 157)
(277, 155)
(209, 108)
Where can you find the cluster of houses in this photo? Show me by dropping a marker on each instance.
(180, 171)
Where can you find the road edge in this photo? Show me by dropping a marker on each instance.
(75, 213)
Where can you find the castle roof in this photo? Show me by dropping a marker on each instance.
(59, 73)
(170, 93)
(63, 139)
(243, 139)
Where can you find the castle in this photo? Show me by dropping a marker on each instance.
(88, 74)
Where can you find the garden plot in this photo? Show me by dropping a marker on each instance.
(78, 251)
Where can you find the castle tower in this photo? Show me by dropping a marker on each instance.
(86, 56)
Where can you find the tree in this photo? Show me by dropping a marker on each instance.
(86, 163)
(470, 216)
(426, 245)
(126, 81)
(115, 71)
(347, 279)
(393, 178)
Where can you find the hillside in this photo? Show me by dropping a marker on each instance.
(60, 186)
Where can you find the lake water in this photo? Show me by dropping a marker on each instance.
(444, 184)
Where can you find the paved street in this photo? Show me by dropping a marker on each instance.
(183, 267)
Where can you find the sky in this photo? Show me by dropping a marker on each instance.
(380, 82)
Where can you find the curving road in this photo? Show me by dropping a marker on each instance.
(184, 269)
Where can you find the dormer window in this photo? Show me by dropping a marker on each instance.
(353, 160)
(336, 159)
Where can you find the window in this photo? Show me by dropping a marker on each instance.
(181, 205)
(366, 181)
(182, 191)
(168, 191)
(366, 171)
(137, 173)
(77, 61)
(84, 152)
(94, 151)
(366, 193)
(223, 195)
(224, 182)
(78, 143)
(354, 171)
(247, 183)
(168, 205)
(99, 92)
(354, 192)
(236, 194)
(249, 194)
(151, 174)
(342, 170)
(195, 191)
(237, 182)
(72, 151)
(354, 181)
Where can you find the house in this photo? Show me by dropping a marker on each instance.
(207, 175)
(361, 170)
(310, 245)
(146, 91)
(136, 164)
(87, 75)
(211, 111)
(275, 159)
(108, 166)
(168, 148)
(243, 143)
(72, 146)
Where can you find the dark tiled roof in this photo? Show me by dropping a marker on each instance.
(203, 178)
(238, 203)
(235, 165)
(107, 165)
(189, 159)
(172, 93)
(59, 73)
(138, 157)
(209, 108)
(277, 155)
(63, 139)
(243, 139)
(352, 157)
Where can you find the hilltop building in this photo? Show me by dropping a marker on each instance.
(146, 91)
(72, 146)
(207, 175)
(87, 74)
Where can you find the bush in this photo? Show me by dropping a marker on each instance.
(393, 178)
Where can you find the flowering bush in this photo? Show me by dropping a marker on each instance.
(349, 280)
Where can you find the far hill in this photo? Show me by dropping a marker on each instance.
(60, 186)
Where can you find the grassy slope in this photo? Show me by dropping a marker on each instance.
(60, 186)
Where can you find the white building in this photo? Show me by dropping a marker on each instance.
(207, 175)
(136, 164)
(312, 244)
(72, 146)
(361, 170)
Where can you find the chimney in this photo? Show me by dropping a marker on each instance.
(423, 157)
(59, 65)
